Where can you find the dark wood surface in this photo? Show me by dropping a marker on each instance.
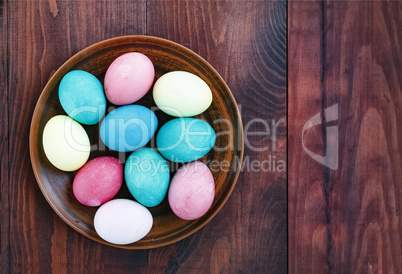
(282, 61)
(345, 219)
(246, 43)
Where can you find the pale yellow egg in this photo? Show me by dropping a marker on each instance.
(66, 143)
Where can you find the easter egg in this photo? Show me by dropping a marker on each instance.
(122, 221)
(82, 98)
(66, 143)
(191, 191)
(185, 139)
(129, 78)
(98, 181)
(128, 128)
(182, 94)
(147, 176)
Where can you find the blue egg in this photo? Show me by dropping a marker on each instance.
(82, 98)
(147, 176)
(128, 128)
(185, 139)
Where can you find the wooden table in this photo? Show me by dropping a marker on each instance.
(337, 65)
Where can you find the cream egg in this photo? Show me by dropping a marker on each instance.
(66, 143)
(182, 94)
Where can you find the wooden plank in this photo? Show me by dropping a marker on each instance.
(246, 42)
(43, 35)
(4, 167)
(345, 217)
(306, 208)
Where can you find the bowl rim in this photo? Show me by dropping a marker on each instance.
(42, 99)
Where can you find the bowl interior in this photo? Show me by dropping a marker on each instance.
(223, 115)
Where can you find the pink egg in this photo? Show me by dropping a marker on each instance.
(98, 181)
(191, 191)
(129, 78)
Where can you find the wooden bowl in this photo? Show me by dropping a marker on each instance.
(223, 115)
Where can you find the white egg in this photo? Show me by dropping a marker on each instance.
(122, 221)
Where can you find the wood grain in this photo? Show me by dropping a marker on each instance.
(244, 40)
(250, 54)
(43, 35)
(345, 219)
(4, 166)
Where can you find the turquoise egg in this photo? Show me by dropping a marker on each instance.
(82, 98)
(185, 139)
(128, 128)
(147, 176)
